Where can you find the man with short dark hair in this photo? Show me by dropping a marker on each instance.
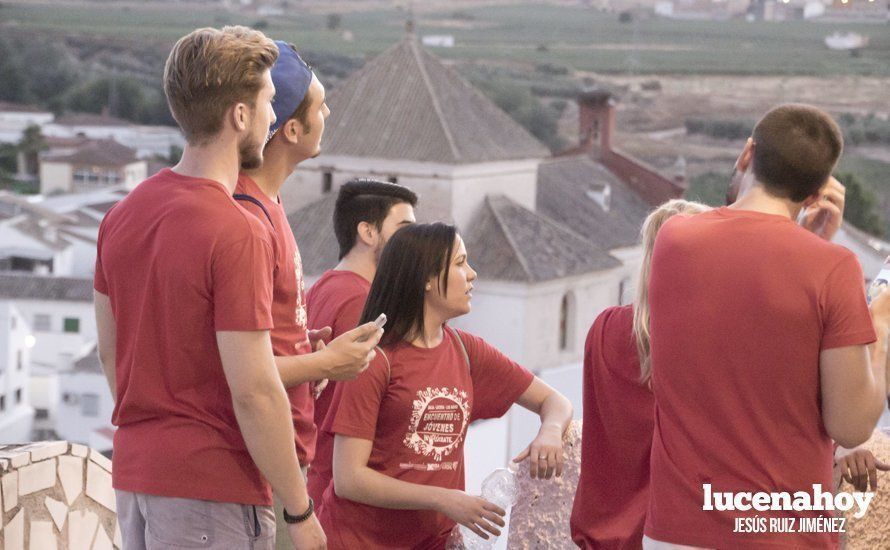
(300, 111)
(366, 215)
(759, 342)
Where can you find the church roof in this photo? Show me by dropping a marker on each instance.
(566, 186)
(406, 104)
(509, 242)
(313, 227)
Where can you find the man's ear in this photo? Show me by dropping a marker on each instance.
(744, 160)
(292, 130)
(240, 115)
(367, 233)
(814, 198)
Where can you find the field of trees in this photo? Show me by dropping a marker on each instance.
(581, 38)
(530, 59)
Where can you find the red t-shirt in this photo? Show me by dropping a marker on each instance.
(416, 412)
(613, 492)
(336, 300)
(180, 260)
(290, 335)
(741, 304)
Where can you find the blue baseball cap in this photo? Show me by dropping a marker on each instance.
(291, 77)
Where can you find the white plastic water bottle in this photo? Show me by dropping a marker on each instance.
(498, 488)
(880, 282)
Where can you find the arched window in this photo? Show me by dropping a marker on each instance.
(567, 322)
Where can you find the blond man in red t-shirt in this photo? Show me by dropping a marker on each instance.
(183, 292)
(763, 348)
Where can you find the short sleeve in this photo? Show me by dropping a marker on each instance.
(498, 381)
(263, 217)
(846, 320)
(242, 285)
(349, 315)
(356, 403)
(100, 283)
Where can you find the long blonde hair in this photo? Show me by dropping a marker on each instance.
(650, 228)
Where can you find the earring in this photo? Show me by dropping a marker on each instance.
(428, 287)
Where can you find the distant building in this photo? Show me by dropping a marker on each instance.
(858, 10)
(59, 329)
(30, 239)
(554, 239)
(16, 413)
(871, 251)
(59, 313)
(15, 118)
(147, 141)
(85, 403)
(82, 212)
(438, 40)
(700, 10)
(90, 165)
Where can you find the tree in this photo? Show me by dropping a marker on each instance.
(860, 207)
(12, 75)
(709, 188)
(31, 144)
(522, 105)
(124, 96)
(333, 21)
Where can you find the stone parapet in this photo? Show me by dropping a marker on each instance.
(540, 518)
(56, 496)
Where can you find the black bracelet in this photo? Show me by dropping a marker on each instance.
(302, 517)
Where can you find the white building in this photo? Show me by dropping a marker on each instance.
(59, 312)
(871, 251)
(60, 329)
(85, 404)
(559, 234)
(30, 238)
(16, 413)
(89, 165)
(438, 40)
(148, 141)
(82, 212)
(554, 239)
(15, 118)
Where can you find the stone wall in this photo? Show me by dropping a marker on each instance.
(56, 496)
(873, 529)
(540, 518)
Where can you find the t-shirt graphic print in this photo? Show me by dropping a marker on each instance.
(437, 426)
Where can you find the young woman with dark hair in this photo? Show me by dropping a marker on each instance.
(400, 426)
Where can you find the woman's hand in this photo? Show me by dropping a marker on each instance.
(474, 513)
(545, 453)
(858, 467)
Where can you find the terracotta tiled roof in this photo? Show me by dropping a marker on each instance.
(45, 287)
(313, 227)
(510, 242)
(565, 188)
(406, 105)
(90, 119)
(20, 108)
(102, 152)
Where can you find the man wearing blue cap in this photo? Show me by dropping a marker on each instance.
(300, 113)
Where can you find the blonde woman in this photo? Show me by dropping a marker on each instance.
(613, 492)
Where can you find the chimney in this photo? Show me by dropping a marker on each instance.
(596, 118)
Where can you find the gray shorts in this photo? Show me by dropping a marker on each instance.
(150, 522)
